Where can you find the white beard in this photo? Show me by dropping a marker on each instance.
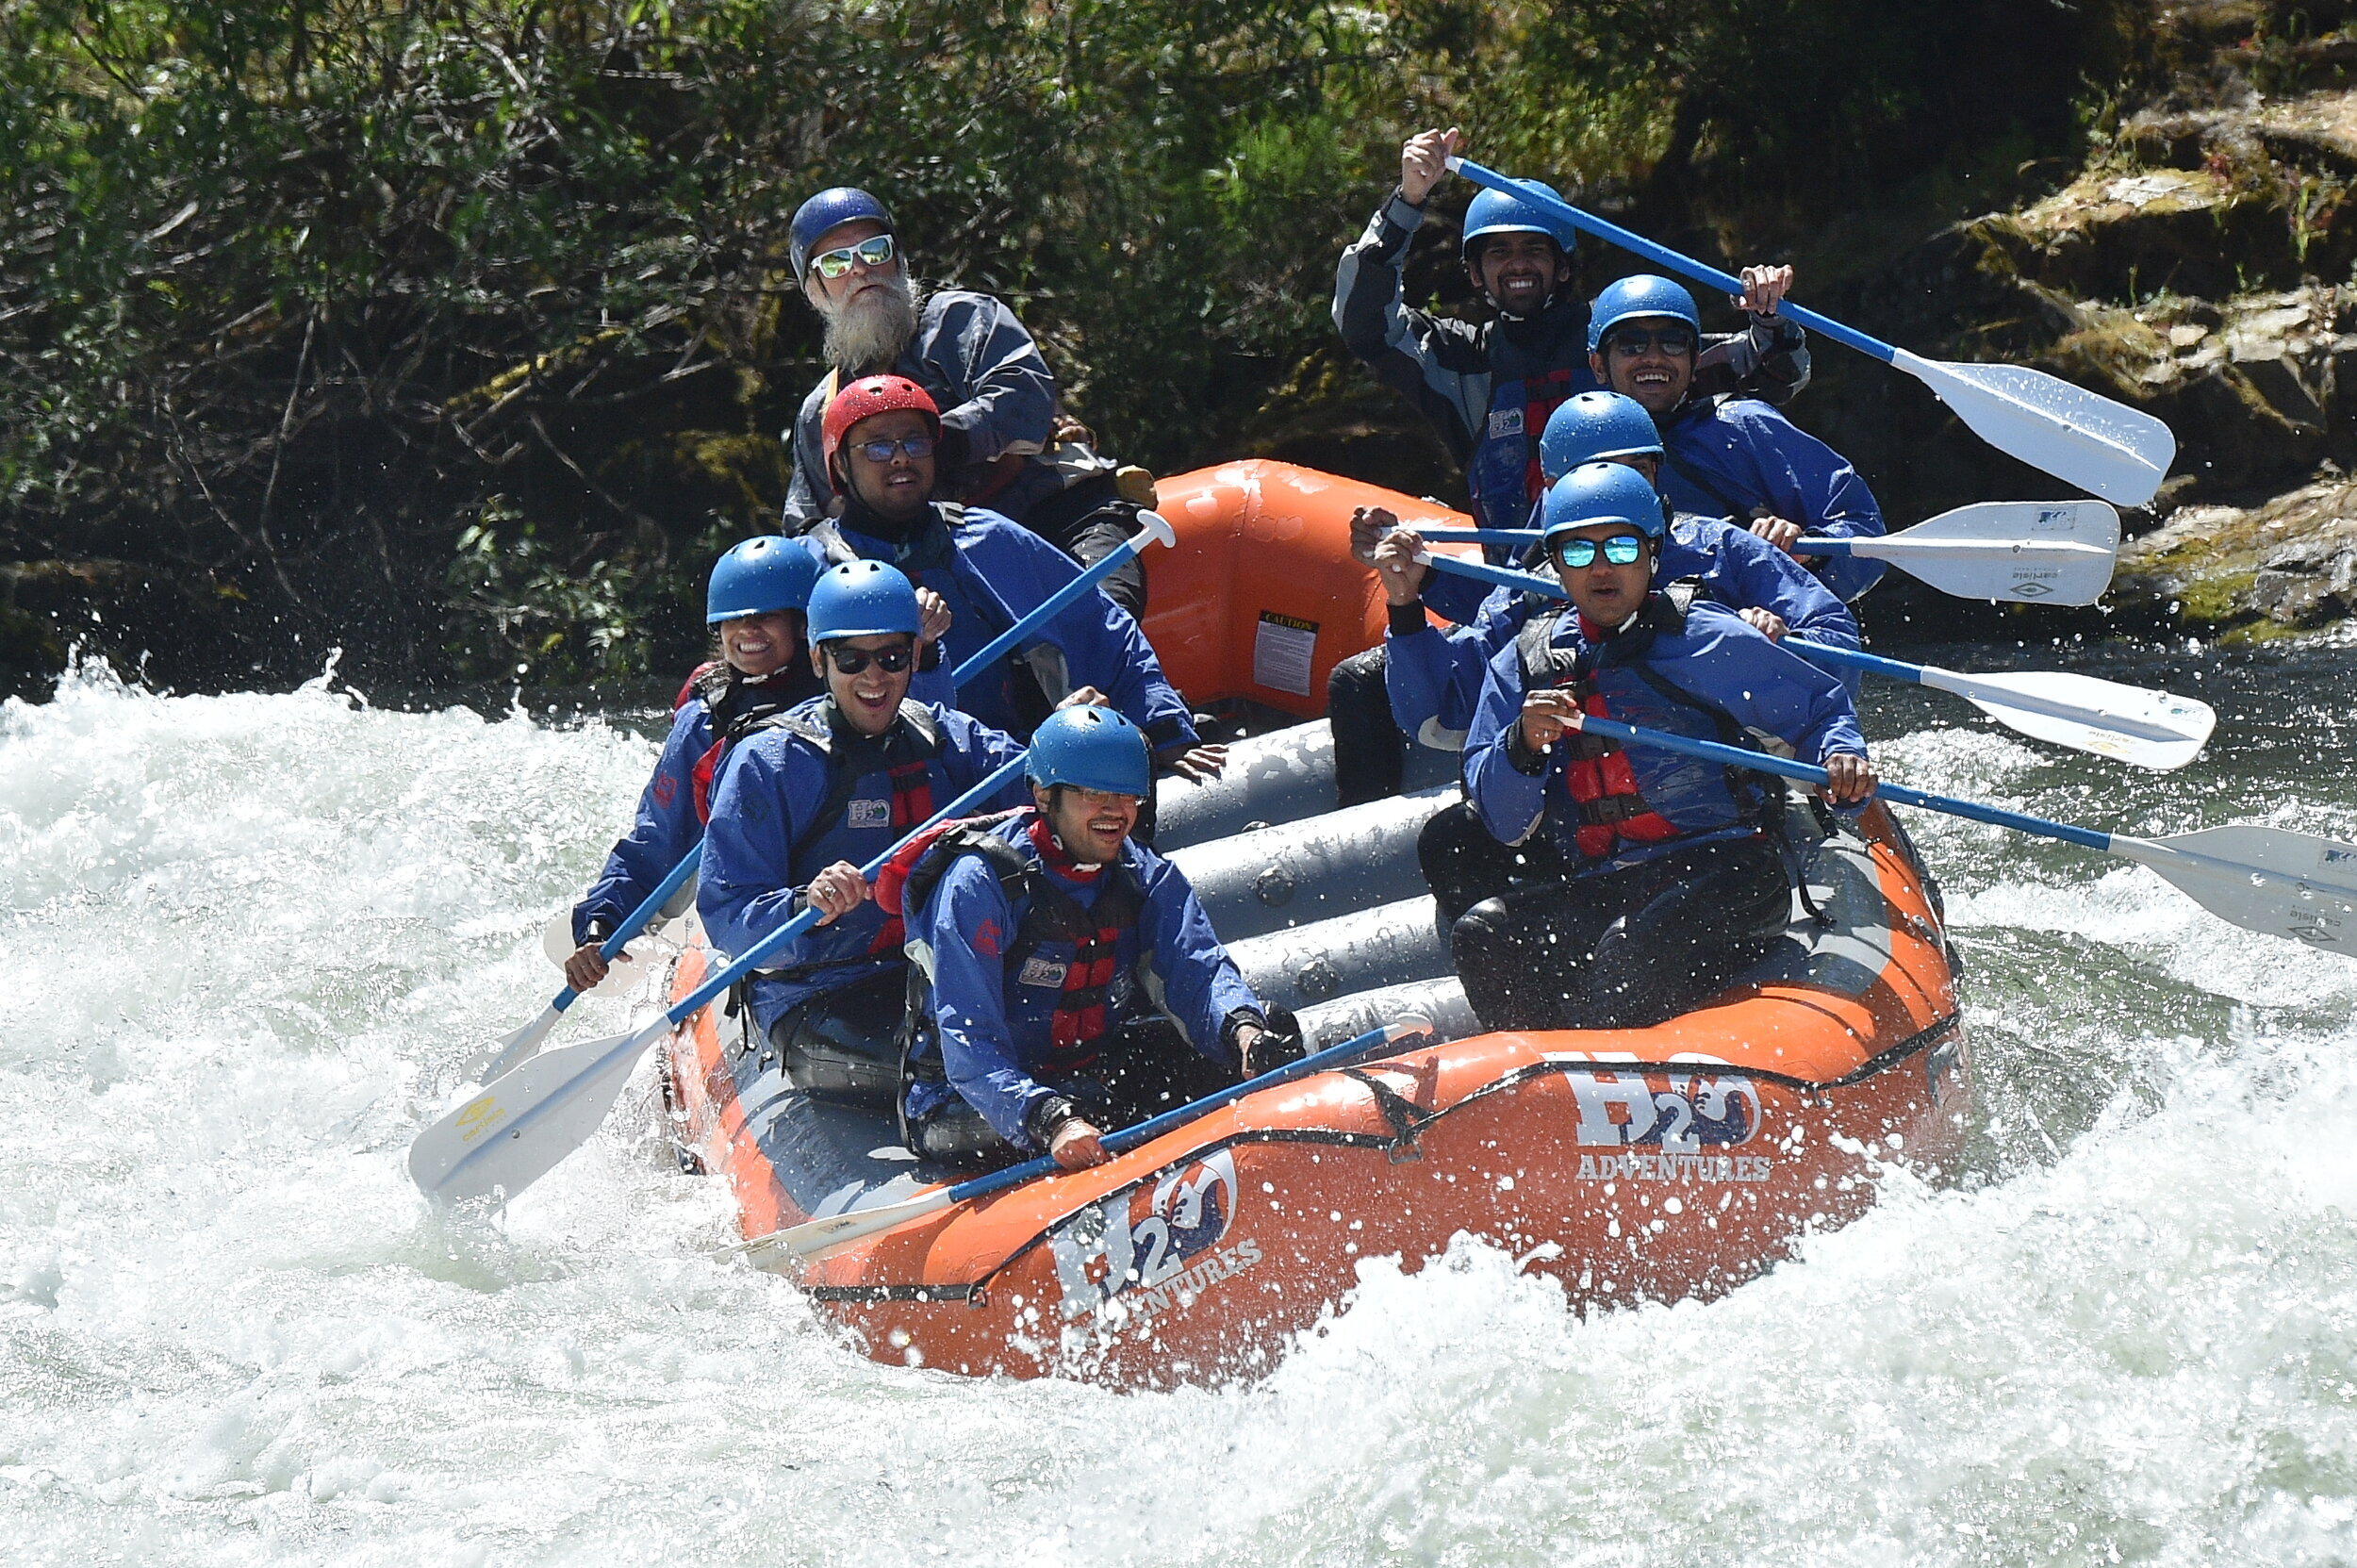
(867, 335)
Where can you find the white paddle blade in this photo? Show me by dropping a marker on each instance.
(2103, 446)
(2294, 886)
(621, 976)
(2149, 728)
(519, 1128)
(814, 1238)
(2030, 551)
(510, 1048)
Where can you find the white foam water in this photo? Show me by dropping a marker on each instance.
(251, 938)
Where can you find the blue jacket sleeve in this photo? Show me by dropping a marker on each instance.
(1763, 687)
(666, 828)
(1007, 396)
(1813, 486)
(1507, 801)
(967, 923)
(1101, 643)
(745, 889)
(1200, 985)
(1436, 362)
(976, 751)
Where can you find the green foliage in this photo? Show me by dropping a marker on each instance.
(444, 327)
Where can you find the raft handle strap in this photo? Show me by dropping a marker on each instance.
(1406, 1120)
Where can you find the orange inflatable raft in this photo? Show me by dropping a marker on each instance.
(1653, 1163)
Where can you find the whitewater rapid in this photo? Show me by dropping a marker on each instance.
(250, 938)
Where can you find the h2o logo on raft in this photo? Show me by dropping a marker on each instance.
(1148, 1245)
(1624, 1109)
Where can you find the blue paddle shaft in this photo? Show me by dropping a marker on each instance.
(685, 1007)
(1711, 751)
(1504, 577)
(1661, 256)
(1147, 1132)
(1479, 535)
(999, 646)
(1872, 664)
(611, 949)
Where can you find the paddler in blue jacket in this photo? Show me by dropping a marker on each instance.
(1488, 388)
(1076, 987)
(1004, 443)
(1672, 872)
(812, 795)
(1725, 455)
(753, 604)
(881, 435)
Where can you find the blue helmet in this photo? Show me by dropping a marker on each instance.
(1630, 298)
(1091, 749)
(758, 577)
(1602, 492)
(862, 599)
(831, 208)
(1595, 425)
(1495, 212)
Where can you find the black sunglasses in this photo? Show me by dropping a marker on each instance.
(1636, 340)
(850, 661)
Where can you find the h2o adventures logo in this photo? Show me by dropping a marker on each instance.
(1155, 1244)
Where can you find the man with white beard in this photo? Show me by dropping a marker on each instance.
(1003, 443)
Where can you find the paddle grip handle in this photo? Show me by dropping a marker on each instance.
(1112, 561)
(1760, 761)
(1154, 1126)
(685, 1007)
(1661, 256)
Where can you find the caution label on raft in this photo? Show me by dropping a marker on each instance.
(1282, 651)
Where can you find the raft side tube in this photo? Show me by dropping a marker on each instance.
(1361, 951)
(1441, 999)
(1277, 777)
(1301, 872)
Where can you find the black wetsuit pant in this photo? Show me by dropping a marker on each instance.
(1463, 865)
(1086, 521)
(844, 1046)
(1370, 749)
(1144, 1070)
(1623, 950)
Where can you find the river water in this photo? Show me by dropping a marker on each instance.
(252, 936)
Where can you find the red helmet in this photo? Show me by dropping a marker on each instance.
(871, 395)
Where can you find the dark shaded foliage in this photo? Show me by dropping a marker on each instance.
(454, 331)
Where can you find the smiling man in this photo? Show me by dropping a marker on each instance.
(1672, 872)
(1003, 442)
(882, 437)
(812, 795)
(1488, 387)
(1076, 985)
(1729, 456)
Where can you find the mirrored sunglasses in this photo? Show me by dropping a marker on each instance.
(1622, 550)
(881, 451)
(1633, 342)
(850, 661)
(874, 252)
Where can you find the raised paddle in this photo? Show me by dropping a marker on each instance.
(504, 1053)
(2269, 880)
(2030, 551)
(509, 1137)
(2104, 447)
(814, 1239)
(2151, 729)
